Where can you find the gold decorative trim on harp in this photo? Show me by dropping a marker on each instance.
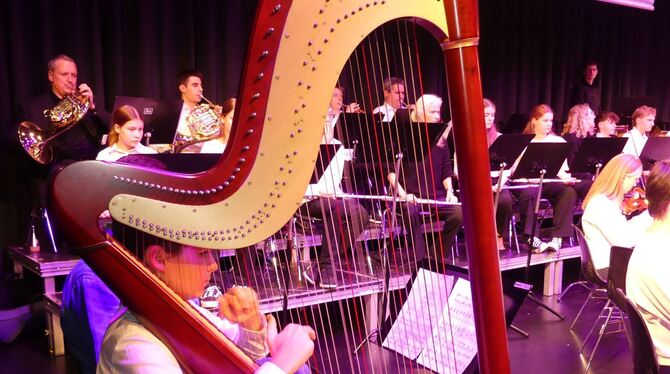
(297, 51)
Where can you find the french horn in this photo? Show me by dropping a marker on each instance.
(204, 123)
(36, 141)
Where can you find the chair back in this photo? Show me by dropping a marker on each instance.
(588, 269)
(616, 274)
(645, 360)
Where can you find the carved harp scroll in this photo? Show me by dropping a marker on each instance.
(295, 56)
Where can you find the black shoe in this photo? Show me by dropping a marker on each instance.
(327, 279)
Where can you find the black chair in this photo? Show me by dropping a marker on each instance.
(612, 311)
(597, 286)
(616, 275)
(645, 360)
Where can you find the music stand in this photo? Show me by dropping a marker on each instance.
(414, 139)
(656, 149)
(326, 154)
(594, 153)
(540, 160)
(402, 115)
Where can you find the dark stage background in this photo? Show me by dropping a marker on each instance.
(531, 52)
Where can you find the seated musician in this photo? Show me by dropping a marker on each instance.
(128, 346)
(579, 125)
(430, 179)
(125, 136)
(606, 124)
(561, 195)
(603, 222)
(335, 108)
(643, 121)
(88, 304)
(647, 282)
(504, 210)
(218, 145)
(394, 98)
(343, 219)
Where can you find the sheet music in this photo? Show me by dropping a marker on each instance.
(420, 314)
(454, 335)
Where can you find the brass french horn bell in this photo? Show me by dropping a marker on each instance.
(204, 124)
(64, 115)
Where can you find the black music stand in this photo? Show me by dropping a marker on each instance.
(594, 153)
(540, 160)
(502, 154)
(656, 149)
(326, 154)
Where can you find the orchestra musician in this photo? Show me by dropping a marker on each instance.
(88, 303)
(173, 113)
(334, 110)
(647, 282)
(579, 125)
(562, 195)
(218, 145)
(125, 135)
(79, 142)
(343, 219)
(504, 210)
(430, 179)
(606, 124)
(394, 98)
(643, 121)
(128, 346)
(603, 221)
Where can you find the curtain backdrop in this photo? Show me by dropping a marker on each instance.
(531, 52)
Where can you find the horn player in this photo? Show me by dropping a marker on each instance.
(80, 142)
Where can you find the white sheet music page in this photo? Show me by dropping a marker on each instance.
(420, 314)
(453, 344)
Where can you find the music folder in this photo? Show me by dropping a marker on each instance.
(594, 152)
(324, 158)
(541, 156)
(656, 149)
(507, 148)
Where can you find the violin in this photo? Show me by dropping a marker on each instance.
(634, 201)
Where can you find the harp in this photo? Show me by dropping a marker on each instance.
(296, 52)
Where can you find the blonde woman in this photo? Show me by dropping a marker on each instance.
(125, 136)
(561, 195)
(603, 222)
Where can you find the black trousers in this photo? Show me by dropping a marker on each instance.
(343, 221)
(562, 198)
(504, 213)
(411, 217)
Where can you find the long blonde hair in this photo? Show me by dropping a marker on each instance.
(610, 181)
(227, 107)
(491, 133)
(578, 122)
(120, 117)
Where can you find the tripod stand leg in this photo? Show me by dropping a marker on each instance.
(523, 333)
(537, 301)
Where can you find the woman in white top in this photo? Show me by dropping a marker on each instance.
(561, 195)
(125, 136)
(603, 221)
(218, 145)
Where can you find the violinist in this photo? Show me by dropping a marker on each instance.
(604, 222)
(643, 121)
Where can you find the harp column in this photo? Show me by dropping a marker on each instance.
(465, 95)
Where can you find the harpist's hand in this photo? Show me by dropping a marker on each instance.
(292, 347)
(240, 305)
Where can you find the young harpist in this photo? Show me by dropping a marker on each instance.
(129, 346)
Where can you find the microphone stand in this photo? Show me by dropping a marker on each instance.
(386, 268)
(531, 294)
